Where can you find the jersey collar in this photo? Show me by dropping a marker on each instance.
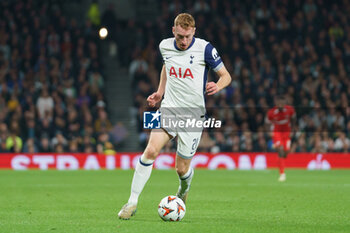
(185, 49)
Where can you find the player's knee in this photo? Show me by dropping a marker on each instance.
(151, 152)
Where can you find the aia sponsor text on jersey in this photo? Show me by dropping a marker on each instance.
(180, 72)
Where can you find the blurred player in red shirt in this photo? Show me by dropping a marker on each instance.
(281, 117)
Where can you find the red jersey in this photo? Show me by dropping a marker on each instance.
(281, 120)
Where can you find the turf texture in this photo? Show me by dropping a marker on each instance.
(219, 201)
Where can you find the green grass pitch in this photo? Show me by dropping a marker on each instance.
(219, 201)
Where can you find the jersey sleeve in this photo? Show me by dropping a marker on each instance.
(212, 58)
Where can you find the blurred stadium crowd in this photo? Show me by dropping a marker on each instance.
(51, 81)
(297, 48)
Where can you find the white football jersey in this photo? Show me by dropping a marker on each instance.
(187, 72)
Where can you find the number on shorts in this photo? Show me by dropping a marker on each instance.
(195, 143)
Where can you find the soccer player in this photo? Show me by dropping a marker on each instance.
(281, 117)
(183, 82)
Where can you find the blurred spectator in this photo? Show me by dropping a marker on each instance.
(59, 148)
(206, 142)
(102, 124)
(30, 146)
(59, 139)
(44, 104)
(51, 81)
(341, 143)
(104, 146)
(96, 82)
(44, 145)
(14, 143)
(138, 66)
(109, 20)
(119, 133)
(94, 13)
(73, 146)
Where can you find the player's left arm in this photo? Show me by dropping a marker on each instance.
(224, 81)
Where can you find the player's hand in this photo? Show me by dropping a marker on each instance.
(153, 99)
(212, 88)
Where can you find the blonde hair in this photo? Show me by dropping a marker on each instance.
(185, 20)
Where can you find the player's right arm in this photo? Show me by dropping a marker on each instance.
(157, 96)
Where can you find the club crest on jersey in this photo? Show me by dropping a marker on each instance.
(180, 73)
(191, 61)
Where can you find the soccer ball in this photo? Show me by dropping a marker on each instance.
(171, 208)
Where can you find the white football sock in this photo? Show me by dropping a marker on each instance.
(185, 181)
(141, 175)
